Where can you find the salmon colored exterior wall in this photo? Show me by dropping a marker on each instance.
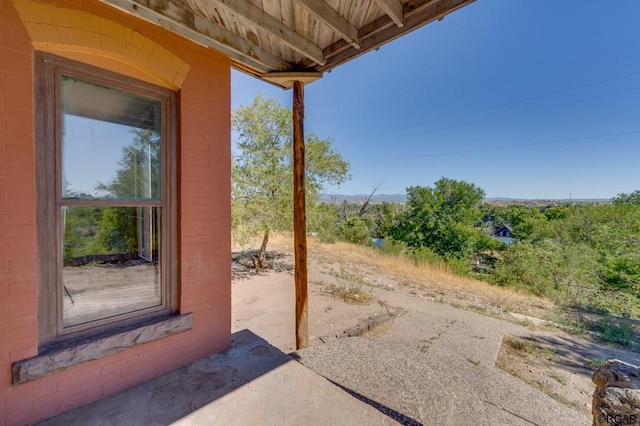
(204, 210)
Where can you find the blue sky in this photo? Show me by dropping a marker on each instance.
(524, 98)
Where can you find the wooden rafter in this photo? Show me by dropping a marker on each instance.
(331, 18)
(383, 30)
(274, 27)
(271, 36)
(182, 21)
(393, 8)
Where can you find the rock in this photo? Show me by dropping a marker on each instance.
(617, 373)
(616, 400)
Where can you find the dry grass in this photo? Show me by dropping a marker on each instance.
(353, 294)
(437, 279)
(438, 282)
(350, 286)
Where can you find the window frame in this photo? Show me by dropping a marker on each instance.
(48, 71)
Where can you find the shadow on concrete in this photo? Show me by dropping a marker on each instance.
(251, 383)
(397, 416)
(582, 356)
(173, 396)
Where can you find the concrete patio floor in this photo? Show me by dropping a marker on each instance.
(433, 365)
(253, 383)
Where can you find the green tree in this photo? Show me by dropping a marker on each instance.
(262, 170)
(632, 198)
(80, 224)
(322, 220)
(355, 230)
(580, 253)
(117, 231)
(137, 176)
(110, 230)
(548, 268)
(441, 218)
(138, 169)
(526, 222)
(384, 215)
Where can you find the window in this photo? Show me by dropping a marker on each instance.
(106, 180)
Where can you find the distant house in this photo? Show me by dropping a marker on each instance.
(504, 234)
(505, 231)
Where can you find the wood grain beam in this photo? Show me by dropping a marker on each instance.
(198, 29)
(331, 18)
(417, 13)
(286, 80)
(393, 8)
(274, 27)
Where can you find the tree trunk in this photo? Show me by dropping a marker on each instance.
(261, 263)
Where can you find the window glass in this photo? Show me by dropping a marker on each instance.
(110, 146)
(111, 262)
(107, 213)
(110, 143)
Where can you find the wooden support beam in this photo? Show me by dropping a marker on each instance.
(330, 17)
(383, 30)
(173, 17)
(274, 27)
(299, 218)
(393, 8)
(286, 79)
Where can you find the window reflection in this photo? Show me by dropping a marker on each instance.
(111, 261)
(110, 143)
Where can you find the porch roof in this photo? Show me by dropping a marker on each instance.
(281, 41)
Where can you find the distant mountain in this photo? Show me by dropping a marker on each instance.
(504, 200)
(377, 198)
(402, 198)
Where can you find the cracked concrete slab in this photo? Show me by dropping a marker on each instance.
(435, 365)
(252, 383)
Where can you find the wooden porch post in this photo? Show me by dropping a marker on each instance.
(299, 217)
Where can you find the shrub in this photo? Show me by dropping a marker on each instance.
(354, 230)
(620, 331)
(393, 247)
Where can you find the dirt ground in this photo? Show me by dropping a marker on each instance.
(96, 291)
(346, 289)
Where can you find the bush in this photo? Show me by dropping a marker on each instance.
(354, 230)
(393, 247)
(616, 303)
(327, 237)
(459, 266)
(620, 332)
(425, 255)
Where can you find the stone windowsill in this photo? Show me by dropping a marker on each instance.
(33, 368)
